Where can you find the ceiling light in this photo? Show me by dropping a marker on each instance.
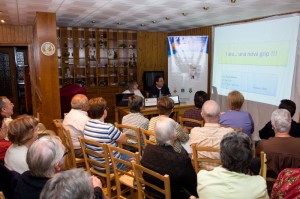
(142, 24)
(153, 21)
(232, 1)
(167, 18)
(93, 21)
(205, 7)
(119, 23)
(184, 13)
(2, 21)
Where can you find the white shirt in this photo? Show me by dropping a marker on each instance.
(75, 121)
(15, 158)
(136, 92)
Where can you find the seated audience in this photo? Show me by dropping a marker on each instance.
(4, 144)
(236, 118)
(195, 113)
(75, 184)
(159, 88)
(163, 159)
(133, 88)
(165, 106)
(280, 150)
(211, 134)
(45, 157)
(22, 132)
(287, 184)
(134, 118)
(231, 180)
(96, 129)
(7, 109)
(267, 131)
(75, 120)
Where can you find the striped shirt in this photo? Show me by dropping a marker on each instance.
(103, 133)
(136, 120)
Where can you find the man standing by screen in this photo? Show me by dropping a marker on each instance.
(159, 89)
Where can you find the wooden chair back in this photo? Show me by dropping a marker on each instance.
(146, 136)
(139, 170)
(197, 160)
(136, 138)
(92, 150)
(59, 130)
(264, 167)
(125, 177)
(182, 120)
(72, 161)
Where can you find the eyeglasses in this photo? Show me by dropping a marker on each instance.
(66, 152)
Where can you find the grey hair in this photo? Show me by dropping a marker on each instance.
(74, 183)
(165, 130)
(281, 120)
(210, 110)
(44, 154)
(135, 103)
(2, 104)
(235, 152)
(78, 101)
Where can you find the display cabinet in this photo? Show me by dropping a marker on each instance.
(96, 57)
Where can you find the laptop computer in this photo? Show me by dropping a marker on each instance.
(175, 98)
(122, 99)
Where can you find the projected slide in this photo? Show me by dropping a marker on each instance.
(256, 58)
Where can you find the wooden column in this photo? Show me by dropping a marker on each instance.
(44, 73)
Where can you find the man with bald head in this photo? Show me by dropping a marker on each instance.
(75, 120)
(211, 134)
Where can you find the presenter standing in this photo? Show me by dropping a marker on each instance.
(159, 89)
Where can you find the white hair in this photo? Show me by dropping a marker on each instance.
(44, 154)
(74, 183)
(281, 120)
(165, 130)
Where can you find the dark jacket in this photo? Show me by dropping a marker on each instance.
(267, 131)
(154, 91)
(164, 160)
(30, 186)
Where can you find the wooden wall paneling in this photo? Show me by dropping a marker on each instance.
(10, 34)
(152, 53)
(46, 70)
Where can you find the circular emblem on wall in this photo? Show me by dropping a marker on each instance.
(48, 48)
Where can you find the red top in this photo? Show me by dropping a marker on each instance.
(4, 144)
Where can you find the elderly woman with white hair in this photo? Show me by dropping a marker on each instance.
(45, 157)
(163, 159)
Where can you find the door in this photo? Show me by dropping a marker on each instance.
(8, 81)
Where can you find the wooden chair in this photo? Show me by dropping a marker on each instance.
(72, 161)
(238, 130)
(182, 121)
(197, 160)
(264, 167)
(59, 130)
(139, 170)
(146, 135)
(127, 177)
(97, 150)
(136, 138)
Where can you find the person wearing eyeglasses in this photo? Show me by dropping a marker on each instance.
(159, 88)
(7, 109)
(45, 158)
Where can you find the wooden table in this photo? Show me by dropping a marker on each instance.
(121, 111)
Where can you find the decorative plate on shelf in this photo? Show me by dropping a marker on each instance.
(48, 48)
